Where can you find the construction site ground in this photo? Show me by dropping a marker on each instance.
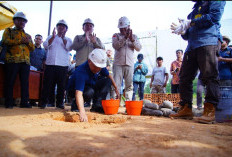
(50, 132)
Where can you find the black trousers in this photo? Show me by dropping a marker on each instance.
(205, 59)
(11, 71)
(97, 92)
(174, 88)
(54, 75)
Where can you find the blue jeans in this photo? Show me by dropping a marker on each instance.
(141, 89)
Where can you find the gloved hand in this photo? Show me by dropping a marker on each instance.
(185, 23)
(177, 29)
(181, 28)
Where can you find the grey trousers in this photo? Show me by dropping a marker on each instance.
(203, 58)
(124, 72)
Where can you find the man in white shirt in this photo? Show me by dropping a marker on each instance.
(56, 65)
(159, 77)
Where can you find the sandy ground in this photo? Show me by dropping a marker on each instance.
(36, 132)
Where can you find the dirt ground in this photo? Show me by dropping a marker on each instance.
(36, 132)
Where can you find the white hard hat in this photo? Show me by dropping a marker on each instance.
(98, 57)
(19, 15)
(123, 22)
(88, 20)
(62, 22)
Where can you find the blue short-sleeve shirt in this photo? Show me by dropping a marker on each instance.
(224, 68)
(83, 76)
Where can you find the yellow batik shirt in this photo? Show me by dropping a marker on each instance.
(16, 51)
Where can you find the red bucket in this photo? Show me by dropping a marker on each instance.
(134, 107)
(110, 106)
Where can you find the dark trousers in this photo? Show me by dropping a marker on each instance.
(97, 92)
(175, 88)
(54, 75)
(141, 89)
(205, 59)
(12, 69)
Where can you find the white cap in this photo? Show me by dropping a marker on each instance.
(98, 57)
(123, 22)
(19, 15)
(88, 20)
(62, 22)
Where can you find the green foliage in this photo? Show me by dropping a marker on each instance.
(168, 88)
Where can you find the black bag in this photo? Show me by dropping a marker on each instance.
(3, 50)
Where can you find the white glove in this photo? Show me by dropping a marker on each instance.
(177, 29)
(185, 23)
(180, 29)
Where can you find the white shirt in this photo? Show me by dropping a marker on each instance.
(159, 75)
(57, 52)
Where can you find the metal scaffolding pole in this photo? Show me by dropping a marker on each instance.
(50, 18)
(156, 43)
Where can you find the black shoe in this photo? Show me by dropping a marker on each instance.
(25, 106)
(33, 104)
(42, 107)
(87, 104)
(9, 106)
(60, 106)
(97, 109)
(50, 105)
(74, 107)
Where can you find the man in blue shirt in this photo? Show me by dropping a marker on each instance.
(87, 85)
(225, 63)
(202, 31)
(38, 56)
(140, 71)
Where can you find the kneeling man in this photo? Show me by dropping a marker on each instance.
(91, 80)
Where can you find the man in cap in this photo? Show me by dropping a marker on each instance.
(140, 71)
(225, 63)
(84, 44)
(124, 44)
(202, 31)
(86, 84)
(56, 65)
(19, 45)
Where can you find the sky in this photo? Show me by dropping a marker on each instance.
(145, 17)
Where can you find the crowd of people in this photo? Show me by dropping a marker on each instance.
(95, 73)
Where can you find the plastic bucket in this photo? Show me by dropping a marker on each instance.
(110, 106)
(224, 108)
(134, 107)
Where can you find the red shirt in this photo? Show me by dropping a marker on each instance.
(175, 64)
